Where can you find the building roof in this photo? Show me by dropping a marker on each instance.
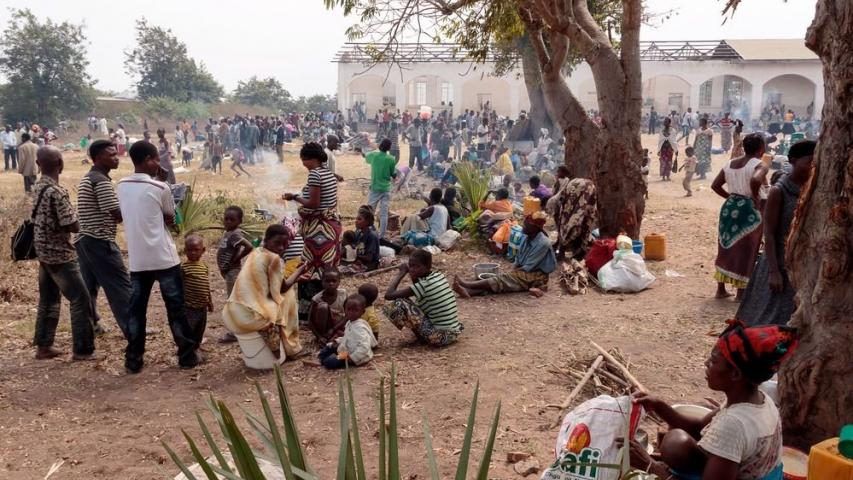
(658, 50)
(772, 49)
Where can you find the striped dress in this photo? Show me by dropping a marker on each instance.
(321, 227)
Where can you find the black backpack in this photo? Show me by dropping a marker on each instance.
(23, 241)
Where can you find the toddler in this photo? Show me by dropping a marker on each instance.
(356, 345)
(689, 167)
(197, 298)
(326, 315)
(370, 292)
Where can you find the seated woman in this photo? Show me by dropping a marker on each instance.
(262, 300)
(366, 244)
(743, 439)
(449, 202)
(494, 212)
(433, 316)
(433, 220)
(534, 262)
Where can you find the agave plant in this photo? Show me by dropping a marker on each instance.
(197, 213)
(473, 183)
(283, 449)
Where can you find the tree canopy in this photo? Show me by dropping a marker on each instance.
(163, 68)
(45, 65)
(266, 92)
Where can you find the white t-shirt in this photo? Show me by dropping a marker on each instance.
(748, 434)
(143, 202)
(330, 162)
(482, 134)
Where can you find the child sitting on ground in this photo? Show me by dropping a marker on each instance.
(348, 245)
(355, 346)
(197, 298)
(233, 248)
(326, 315)
(539, 190)
(366, 243)
(689, 168)
(370, 292)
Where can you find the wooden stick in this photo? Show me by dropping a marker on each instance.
(590, 371)
(377, 271)
(621, 367)
(613, 377)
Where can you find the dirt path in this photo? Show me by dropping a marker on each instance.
(108, 425)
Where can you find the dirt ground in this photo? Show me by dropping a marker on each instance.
(105, 424)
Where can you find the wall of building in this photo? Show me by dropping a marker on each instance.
(509, 95)
(796, 92)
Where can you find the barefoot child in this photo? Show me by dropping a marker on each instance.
(233, 248)
(534, 262)
(743, 439)
(356, 345)
(370, 292)
(237, 161)
(326, 316)
(434, 315)
(197, 296)
(366, 244)
(689, 169)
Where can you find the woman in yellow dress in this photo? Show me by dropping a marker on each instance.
(262, 300)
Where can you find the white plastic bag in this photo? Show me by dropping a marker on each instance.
(626, 273)
(447, 239)
(386, 252)
(588, 437)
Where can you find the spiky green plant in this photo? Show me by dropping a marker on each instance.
(283, 448)
(473, 183)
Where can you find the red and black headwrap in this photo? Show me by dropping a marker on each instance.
(757, 351)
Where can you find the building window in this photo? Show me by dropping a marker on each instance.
(446, 93)
(706, 93)
(417, 93)
(732, 93)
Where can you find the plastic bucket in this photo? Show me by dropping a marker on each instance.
(638, 246)
(256, 354)
(795, 464)
(655, 246)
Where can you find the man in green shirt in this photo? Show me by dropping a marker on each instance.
(383, 167)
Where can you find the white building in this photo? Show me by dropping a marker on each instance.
(741, 76)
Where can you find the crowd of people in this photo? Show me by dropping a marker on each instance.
(291, 280)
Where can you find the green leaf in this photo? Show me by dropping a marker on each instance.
(393, 443)
(291, 433)
(433, 466)
(383, 466)
(276, 435)
(356, 440)
(199, 458)
(343, 451)
(483, 473)
(462, 467)
(179, 463)
(241, 452)
(212, 444)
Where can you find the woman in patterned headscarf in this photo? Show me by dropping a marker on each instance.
(532, 266)
(743, 439)
(576, 212)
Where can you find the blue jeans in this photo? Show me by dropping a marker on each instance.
(11, 154)
(172, 290)
(685, 132)
(329, 358)
(382, 199)
(101, 265)
(57, 281)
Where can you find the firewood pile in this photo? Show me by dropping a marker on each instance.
(607, 372)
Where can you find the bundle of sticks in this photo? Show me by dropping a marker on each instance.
(609, 372)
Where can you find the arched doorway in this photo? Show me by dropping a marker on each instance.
(374, 91)
(725, 93)
(790, 91)
(477, 91)
(666, 93)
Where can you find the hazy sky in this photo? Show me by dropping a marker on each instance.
(295, 40)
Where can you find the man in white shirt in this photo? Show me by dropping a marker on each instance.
(147, 207)
(10, 148)
(686, 124)
(483, 138)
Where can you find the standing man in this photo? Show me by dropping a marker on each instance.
(59, 273)
(10, 148)
(27, 161)
(653, 120)
(686, 125)
(279, 140)
(101, 263)
(383, 167)
(147, 207)
(413, 137)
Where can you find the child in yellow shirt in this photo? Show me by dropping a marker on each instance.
(370, 292)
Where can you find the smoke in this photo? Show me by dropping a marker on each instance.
(270, 184)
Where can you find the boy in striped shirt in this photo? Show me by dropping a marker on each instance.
(197, 298)
(434, 315)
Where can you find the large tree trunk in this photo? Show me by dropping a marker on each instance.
(815, 383)
(539, 115)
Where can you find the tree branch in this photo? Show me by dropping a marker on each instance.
(541, 53)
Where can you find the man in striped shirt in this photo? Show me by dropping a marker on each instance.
(101, 263)
(434, 315)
